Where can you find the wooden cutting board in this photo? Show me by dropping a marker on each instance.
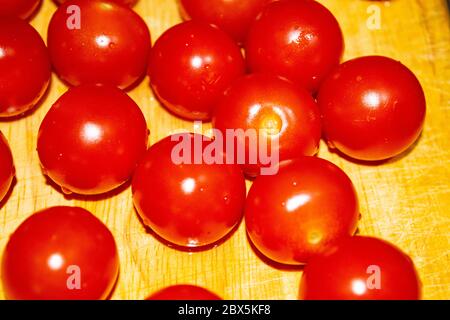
(405, 201)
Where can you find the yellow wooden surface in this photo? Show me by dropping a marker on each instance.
(406, 201)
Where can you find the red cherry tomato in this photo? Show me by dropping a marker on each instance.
(91, 139)
(286, 112)
(299, 40)
(373, 108)
(126, 2)
(232, 16)
(187, 204)
(7, 170)
(302, 211)
(361, 268)
(191, 65)
(24, 67)
(111, 45)
(184, 292)
(60, 253)
(18, 8)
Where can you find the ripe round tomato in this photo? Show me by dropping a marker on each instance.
(25, 67)
(287, 113)
(184, 292)
(302, 211)
(299, 40)
(361, 268)
(60, 253)
(7, 170)
(232, 16)
(18, 8)
(191, 65)
(110, 46)
(185, 203)
(373, 108)
(92, 139)
(126, 2)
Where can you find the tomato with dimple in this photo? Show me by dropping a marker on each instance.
(302, 211)
(7, 170)
(283, 116)
(23, 9)
(127, 2)
(60, 253)
(184, 292)
(373, 108)
(91, 139)
(233, 16)
(191, 65)
(299, 40)
(361, 268)
(186, 197)
(25, 67)
(102, 42)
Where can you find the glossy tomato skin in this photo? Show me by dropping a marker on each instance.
(302, 211)
(126, 2)
(7, 170)
(25, 67)
(349, 271)
(234, 17)
(43, 252)
(110, 47)
(23, 9)
(187, 204)
(373, 108)
(191, 65)
(266, 102)
(184, 292)
(299, 40)
(91, 139)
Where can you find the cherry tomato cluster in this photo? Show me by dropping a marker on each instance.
(264, 65)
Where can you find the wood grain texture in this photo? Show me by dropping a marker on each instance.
(405, 201)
